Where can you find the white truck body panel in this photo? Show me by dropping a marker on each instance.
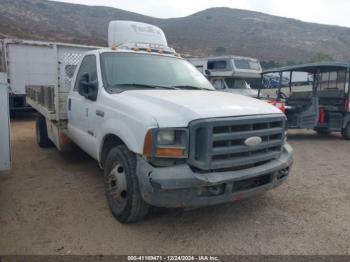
(5, 150)
(36, 63)
(30, 64)
(176, 108)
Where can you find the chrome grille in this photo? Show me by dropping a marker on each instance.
(219, 143)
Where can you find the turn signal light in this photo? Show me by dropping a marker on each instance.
(170, 152)
(147, 147)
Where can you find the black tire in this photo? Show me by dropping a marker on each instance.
(346, 132)
(41, 132)
(122, 187)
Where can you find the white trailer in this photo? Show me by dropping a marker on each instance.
(229, 73)
(38, 63)
(5, 150)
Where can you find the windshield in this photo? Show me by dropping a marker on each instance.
(233, 83)
(125, 71)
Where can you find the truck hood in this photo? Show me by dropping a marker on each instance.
(245, 92)
(176, 108)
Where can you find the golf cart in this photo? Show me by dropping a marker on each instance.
(321, 104)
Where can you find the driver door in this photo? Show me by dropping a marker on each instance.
(80, 108)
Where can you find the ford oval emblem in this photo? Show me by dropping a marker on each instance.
(253, 141)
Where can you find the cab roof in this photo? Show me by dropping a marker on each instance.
(311, 68)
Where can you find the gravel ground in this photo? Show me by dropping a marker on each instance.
(54, 203)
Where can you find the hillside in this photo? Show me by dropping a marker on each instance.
(209, 32)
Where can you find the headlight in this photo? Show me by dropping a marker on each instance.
(166, 143)
(166, 137)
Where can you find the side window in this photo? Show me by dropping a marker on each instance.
(88, 65)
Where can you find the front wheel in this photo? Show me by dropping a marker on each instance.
(122, 187)
(346, 132)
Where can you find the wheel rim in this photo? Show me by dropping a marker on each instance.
(117, 186)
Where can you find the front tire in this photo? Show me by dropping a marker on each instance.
(346, 132)
(122, 187)
(41, 132)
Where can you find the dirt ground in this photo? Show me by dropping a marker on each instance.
(54, 203)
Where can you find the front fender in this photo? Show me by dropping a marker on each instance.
(131, 134)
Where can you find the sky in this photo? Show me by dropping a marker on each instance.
(333, 12)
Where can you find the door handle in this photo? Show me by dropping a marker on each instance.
(69, 104)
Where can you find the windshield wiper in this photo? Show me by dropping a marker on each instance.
(145, 86)
(190, 87)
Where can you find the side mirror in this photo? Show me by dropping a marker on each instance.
(207, 72)
(83, 84)
(87, 88)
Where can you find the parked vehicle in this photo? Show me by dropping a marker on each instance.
(20, 55)
(5, 150)
(229, 73)
(158, 128)
(322, 105)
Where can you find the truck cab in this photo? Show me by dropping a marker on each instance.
(230, 73)
(161, 132)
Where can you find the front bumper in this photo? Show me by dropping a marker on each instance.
(179, 186)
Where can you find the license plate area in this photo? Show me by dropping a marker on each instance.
(251, 183)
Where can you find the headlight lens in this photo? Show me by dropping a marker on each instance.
(166, 137)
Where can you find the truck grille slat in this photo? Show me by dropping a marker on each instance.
(261, 157)
(219, 143)
(226, 136)
(240, 149)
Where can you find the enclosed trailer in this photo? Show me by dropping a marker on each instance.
(5, 150)
(37, 63)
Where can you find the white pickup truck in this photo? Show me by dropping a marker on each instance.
(160, 131)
